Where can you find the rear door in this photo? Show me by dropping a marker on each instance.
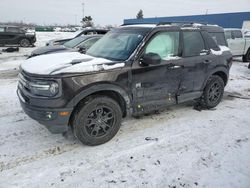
(196, 60)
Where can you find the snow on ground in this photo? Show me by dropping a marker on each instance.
(180, 147)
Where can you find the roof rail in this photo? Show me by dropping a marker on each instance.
(137, 23)
(181, 23)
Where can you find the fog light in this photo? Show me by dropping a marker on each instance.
(49, 115)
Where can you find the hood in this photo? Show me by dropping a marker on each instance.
(67, 62)
(48, 49)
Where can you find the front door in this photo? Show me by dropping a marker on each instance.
(156, 86)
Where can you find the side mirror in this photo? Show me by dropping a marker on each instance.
(150, 59)
(82, 50)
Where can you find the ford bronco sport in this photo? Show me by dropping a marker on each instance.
(132, 70)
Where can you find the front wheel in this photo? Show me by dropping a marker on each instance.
(97, 121)
(213, 92)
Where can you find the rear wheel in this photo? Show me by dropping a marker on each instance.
(213, 92)
(24, 43)
(97, 121)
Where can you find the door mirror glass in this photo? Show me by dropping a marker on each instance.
(150, 59)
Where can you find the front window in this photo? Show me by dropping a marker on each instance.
(74, 42)
(165, 44)
(118, 44)
(1, 29)
(228, 34)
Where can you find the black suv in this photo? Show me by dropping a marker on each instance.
(13, 35)
(132, 70)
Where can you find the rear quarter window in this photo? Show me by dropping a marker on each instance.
(211, 42)
(219, 38)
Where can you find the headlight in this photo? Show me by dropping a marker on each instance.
(44, 88)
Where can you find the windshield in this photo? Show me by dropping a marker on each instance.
(74, 42)
(118, 44)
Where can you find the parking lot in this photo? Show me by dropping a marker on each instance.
(180, 147)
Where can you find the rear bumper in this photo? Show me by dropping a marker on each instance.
(51, 118)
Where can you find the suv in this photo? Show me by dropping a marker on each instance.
(12, 35)
(238, 43)
(132, 70)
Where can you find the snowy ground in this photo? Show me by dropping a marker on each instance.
(180, 147)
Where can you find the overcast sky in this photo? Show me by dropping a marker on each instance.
(105, 12)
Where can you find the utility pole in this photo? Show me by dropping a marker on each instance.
(83, 9)
(75, 19)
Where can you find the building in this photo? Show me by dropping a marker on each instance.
(226, 20)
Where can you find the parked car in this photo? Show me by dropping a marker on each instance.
(131, 71)
(80, 44)
(238, 44)
(12, 35)
(79, 33)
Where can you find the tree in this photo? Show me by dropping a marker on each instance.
(139, 14)
(87, 21)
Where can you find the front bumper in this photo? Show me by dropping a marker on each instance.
(49, 117)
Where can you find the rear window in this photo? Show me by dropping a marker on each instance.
(219, 38)
(237, 34)
(193, 43)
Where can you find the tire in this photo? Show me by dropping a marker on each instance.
(24, 43)
(246, 57)
(97, 120)
(213, 92)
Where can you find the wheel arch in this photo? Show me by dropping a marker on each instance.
(221, 72)
(113, 91)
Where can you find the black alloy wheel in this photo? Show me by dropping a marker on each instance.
(100, 121)
(96, 120)
(213, 92)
